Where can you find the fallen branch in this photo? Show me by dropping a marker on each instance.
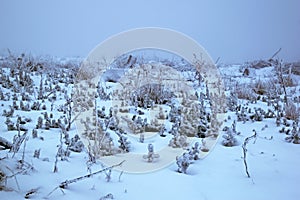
(66, 183)
(245, 151)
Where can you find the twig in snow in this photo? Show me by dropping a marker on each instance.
(245, 150)
(17, 141)
(31, 192)
(23, 155)
(14, 176)
(120, 176)
(66, 183)
(58, 153)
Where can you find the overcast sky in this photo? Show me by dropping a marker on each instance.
(234, 30)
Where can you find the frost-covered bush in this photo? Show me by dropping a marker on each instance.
(232, 102)
(229, 137)
(244, 92)
(37, 153)
(151, 155)
(291, 111)
(194, 151)
(242, 115)
(9, 113)
(183, 162)
(295, 134)
(76, 144)
(39, 123)
(178, 141)
(258, 114)
(124, 143)
(10, 125)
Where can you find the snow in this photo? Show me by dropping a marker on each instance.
(273, 165)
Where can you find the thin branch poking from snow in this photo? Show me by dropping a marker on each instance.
(57, 154)
(245, 150)
(23, 155)
(120, 176)
(66, 183)
(14, 176)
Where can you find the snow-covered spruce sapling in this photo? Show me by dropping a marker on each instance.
(229, 137)
(151, 155)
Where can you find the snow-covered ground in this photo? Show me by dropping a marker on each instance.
(273, 163)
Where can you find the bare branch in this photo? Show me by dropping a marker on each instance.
(66, 183)
(245, 151)
(275, 54)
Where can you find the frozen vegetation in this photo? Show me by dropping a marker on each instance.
(253, 153)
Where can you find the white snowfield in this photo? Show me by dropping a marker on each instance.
(273, 163)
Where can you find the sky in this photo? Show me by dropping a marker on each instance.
(234, 30)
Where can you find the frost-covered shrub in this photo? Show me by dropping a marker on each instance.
(258, 114)
(37, 153)
(242, 115)
(47, 124)
(39, 123)
(10, 125)
(194, 151)
(76, 145)
(291, 111)
(229, 137)
(151, 155)
(183, 162)
(124, 143)
(260, 87)
(63, 154)
(34, 133)
(295, 134)
(9, 113)
(106, 197)
(245, 92)
(178, 141)
(142, 138)
(161, 114)
(232, 102)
